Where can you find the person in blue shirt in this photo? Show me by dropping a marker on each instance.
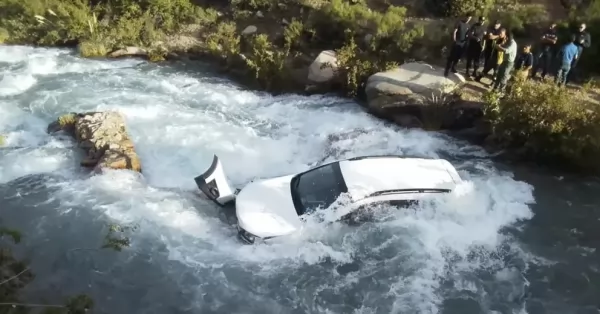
(568, 54)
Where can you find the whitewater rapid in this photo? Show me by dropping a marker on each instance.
(178, 116)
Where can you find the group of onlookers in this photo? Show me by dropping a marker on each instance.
(498, 49)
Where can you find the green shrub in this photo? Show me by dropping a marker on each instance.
(458, 8)
(114, 24)
(546, 122)
(356, 65)
(520, 18)
(292, 34)
(4, 35)
(91, 49)
(224, 41)
(267, 62)
(253, 4)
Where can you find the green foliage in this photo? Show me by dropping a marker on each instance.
(292, 34)
(224, 42)
(253, 4)
(4, 35)
(266, 61)
(13, 234)
(459, 8)
(2, 140)
(116, 238)
(389, 40)
(355, 66)
(520, 18)
(544, 121)
(102, 27)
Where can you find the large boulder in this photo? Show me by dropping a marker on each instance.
(323, 68)
(415, 94)
(104, 138)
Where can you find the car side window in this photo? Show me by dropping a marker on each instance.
(320, 188)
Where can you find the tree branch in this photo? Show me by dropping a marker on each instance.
(15, 276)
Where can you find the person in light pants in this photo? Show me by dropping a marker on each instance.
(507, 65)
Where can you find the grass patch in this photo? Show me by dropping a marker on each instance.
(544, 122)
(67, 120)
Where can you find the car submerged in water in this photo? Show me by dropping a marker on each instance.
(274, 207)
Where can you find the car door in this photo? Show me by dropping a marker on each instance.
(365, 211)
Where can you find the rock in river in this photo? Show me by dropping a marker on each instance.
(418, 95)
(104, 138)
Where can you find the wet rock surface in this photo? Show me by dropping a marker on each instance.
(104, 138)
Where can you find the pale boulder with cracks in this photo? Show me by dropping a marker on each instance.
(104, 138)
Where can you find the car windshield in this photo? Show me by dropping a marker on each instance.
(319, 187)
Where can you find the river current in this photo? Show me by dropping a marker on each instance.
(509, 240)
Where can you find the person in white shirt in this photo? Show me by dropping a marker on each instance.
(510, 54)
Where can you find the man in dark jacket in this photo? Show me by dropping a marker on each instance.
(547, 51)
(494, 61)
(524, 63)
(475, 46)
(582, 40)
(488, 50)
(459, 41)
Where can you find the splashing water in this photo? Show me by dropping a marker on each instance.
(185, 256)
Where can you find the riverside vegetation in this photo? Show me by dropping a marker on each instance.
(15, 275)
(367, 36)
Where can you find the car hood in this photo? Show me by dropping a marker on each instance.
(265, 208)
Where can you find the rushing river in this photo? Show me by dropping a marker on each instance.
(507, 241)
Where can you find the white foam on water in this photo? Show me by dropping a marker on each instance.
(178, 121)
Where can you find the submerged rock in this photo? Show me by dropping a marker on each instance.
(104, 138)
(418, 95)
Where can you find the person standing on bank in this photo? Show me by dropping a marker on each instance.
(475, 46)
(568, 55)
(508, 62)
(459, 38)
(496, 57)
(583, 40)
(492, 34)
(524, 62)
(547, 50)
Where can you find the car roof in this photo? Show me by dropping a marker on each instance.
(367, 175)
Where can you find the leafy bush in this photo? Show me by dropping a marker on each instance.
(458, 8)
(101, 27)
(355, 66)
(224, 42)
(389, 41)
(266, 61)
(547, 122)
(3, 35)
(521, 18)
(253, 4)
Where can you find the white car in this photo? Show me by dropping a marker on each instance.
(274, 207)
